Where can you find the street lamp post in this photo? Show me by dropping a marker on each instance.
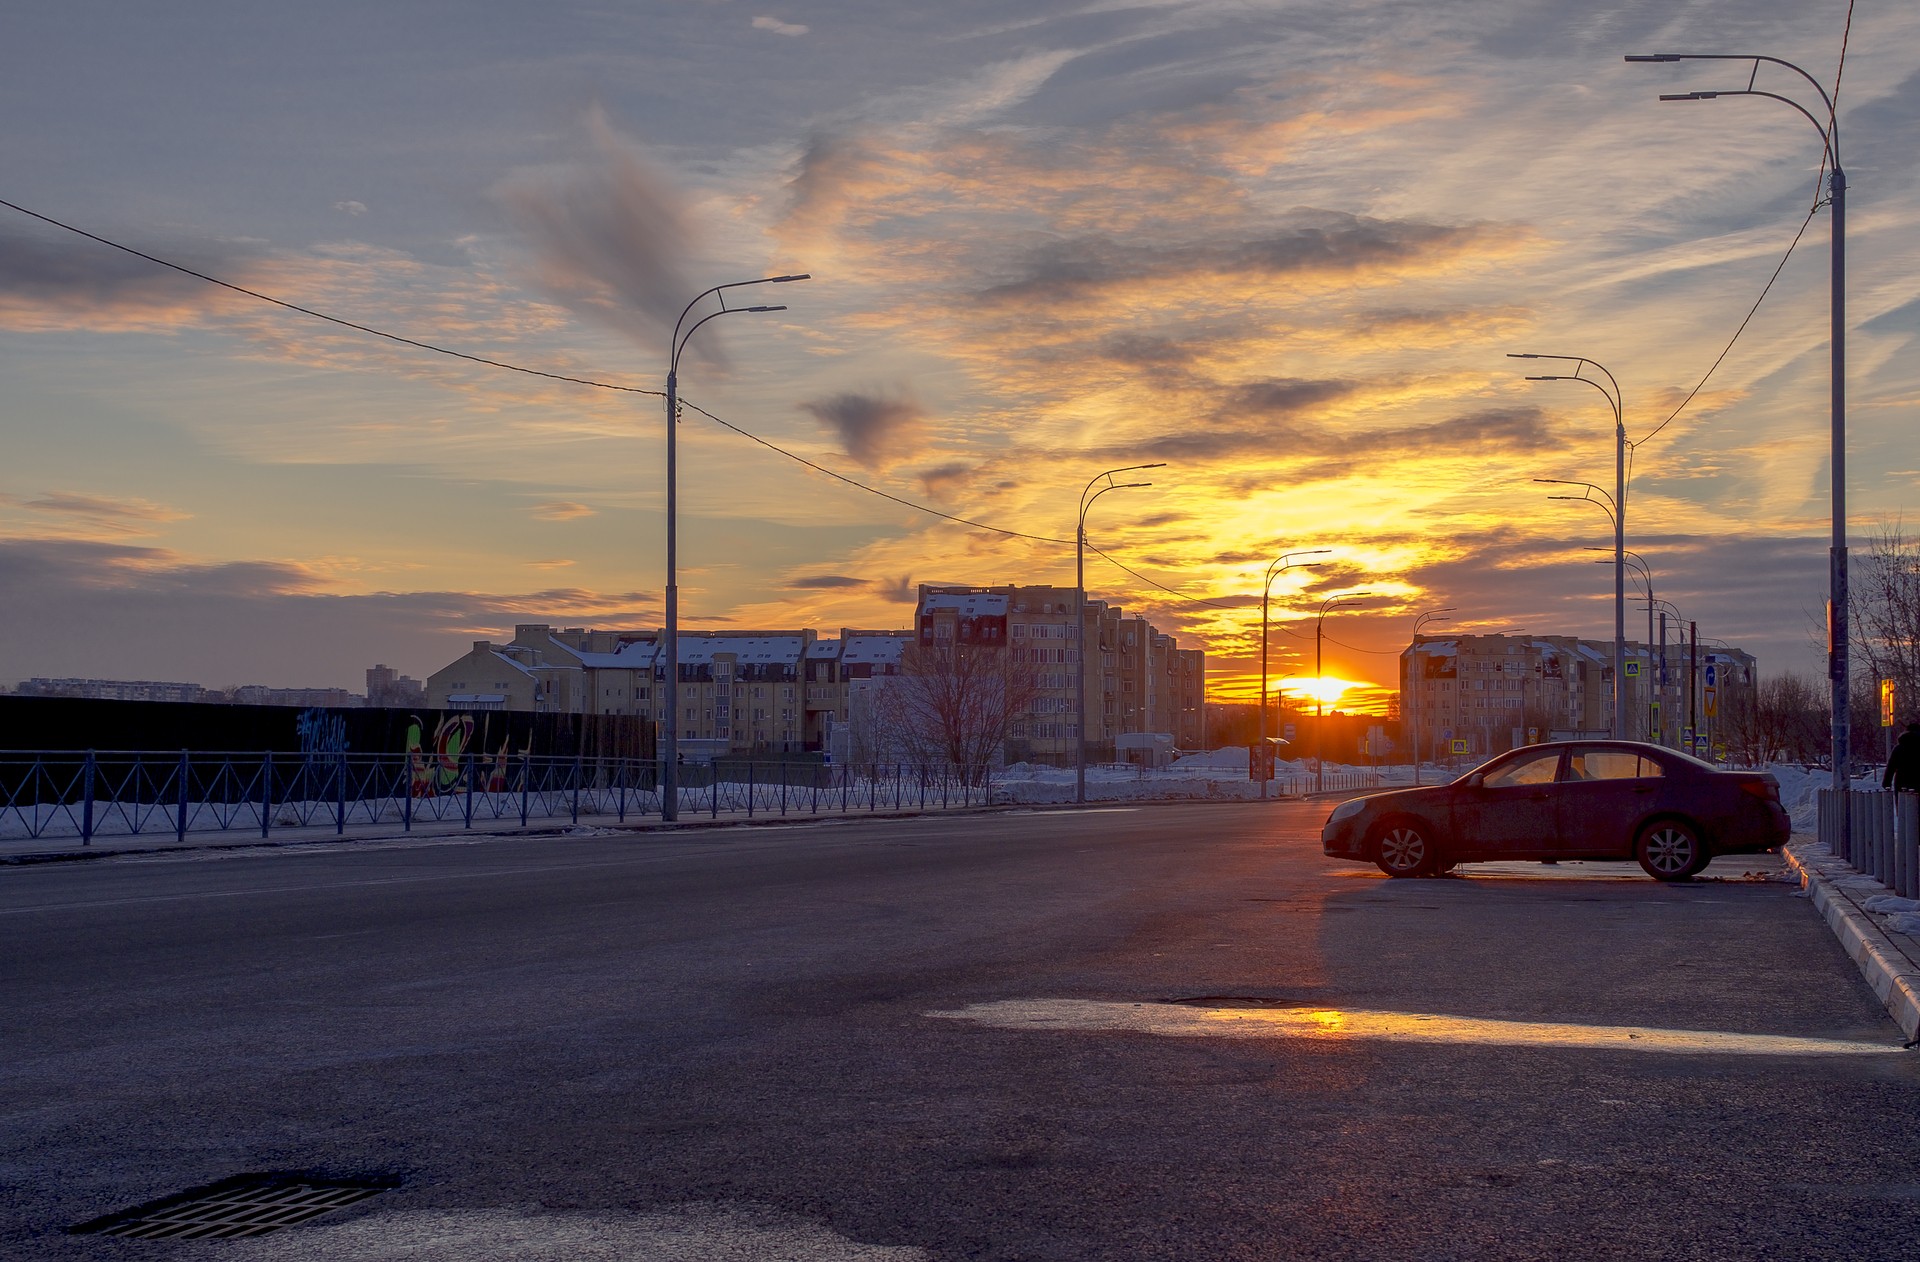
(1079, 644)
(1837, 630)
(1682, 624)
(670, 692)
(1413, 686)
(1611, 389)
(1320, 687)
(1639, 563)
(1280, 564)
(1608, 505)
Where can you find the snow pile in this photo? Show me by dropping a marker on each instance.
(1902, 915)
(1798, 787)
(1219, 775)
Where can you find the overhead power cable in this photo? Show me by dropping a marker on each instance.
(531, 372)
(1198, 600)
(590, 382)
(871, 490)
(1727, 349)
(321, 315)
(1833, 115)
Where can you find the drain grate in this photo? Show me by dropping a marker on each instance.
(244, 1205)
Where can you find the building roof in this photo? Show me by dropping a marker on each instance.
(823, 650)
(747, 649)
(967, 604)
(516, 665)
(875, 649)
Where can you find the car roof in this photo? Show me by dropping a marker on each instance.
(1638, 747)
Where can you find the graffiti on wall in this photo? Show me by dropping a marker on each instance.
(441, 768)
(321, 732)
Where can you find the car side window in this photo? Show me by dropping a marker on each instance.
(1609, 764)
(1536, 770)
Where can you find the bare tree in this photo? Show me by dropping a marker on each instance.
(1785, 722)
(1884, 604)
(956, 704)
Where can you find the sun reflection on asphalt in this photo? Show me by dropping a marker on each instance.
(1349, 1024)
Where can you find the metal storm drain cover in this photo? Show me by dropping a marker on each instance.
(244, 1205)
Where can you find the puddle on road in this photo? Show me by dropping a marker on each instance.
(1340, 1024)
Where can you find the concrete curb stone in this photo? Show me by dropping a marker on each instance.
(1890, 962)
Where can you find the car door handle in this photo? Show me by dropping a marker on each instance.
(1541, 796)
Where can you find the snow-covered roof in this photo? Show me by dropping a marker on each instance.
(749, 650)
(967, 604)
(1437, 648)
(876, 649)
(607, 659)
(516, 665)
(821, 650)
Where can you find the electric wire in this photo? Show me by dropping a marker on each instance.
(1833, 114)
(1728, 348)
(580, 381)
(321, 315)
(871, 490)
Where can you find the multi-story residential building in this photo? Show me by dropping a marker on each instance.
(739, 691)
(388, 687)
(1497, 691)
(1137, 680)
(112, 689)
(746, 692)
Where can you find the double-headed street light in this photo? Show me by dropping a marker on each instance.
(1829, 131)
(1608, 505)
(1320, 686)
(1413, 685)
(1611, 389)
(670, 694)
(1078, 645)
(1280, 564)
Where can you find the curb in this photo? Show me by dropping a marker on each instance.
(1837, 891)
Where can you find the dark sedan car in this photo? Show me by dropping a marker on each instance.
(1567, 800)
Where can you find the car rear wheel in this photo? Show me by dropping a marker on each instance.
(1404, 847)
(1670, 850)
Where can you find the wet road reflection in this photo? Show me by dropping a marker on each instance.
(1184, 1021)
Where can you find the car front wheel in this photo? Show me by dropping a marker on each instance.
(1404, 848)
(1670, 850)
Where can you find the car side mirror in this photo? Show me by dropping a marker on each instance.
(1476, 781)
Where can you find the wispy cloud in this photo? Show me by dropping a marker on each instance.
(609, 232)
(765, 23)
(561, 510)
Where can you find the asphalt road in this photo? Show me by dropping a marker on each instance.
(949, 1038)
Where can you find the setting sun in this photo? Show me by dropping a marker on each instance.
(1326, 690)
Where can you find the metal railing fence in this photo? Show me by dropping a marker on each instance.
(1877, 831)
(80, 795)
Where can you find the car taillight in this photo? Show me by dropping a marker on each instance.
(1765, 790)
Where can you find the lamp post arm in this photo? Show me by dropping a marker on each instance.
(721, 290)
(1756, 59)
(1828, 141)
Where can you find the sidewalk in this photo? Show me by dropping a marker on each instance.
(1853, 906)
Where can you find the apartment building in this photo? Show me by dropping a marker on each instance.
(1137, 680)
(740, 692)
(1494, 692)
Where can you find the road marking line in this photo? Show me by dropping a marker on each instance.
(1339, 1024)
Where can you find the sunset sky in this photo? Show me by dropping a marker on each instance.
(1282, 247)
